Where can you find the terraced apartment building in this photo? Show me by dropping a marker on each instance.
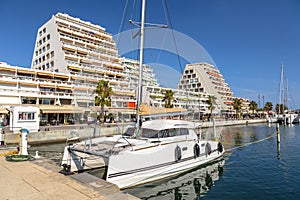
(71, 56)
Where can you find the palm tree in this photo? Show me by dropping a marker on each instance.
(211, 101)
(253, 106)
(237, 105)
(268, 106)
(168, 98)
(280, 109)
(103, 91)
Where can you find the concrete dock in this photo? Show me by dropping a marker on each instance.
(40, 179)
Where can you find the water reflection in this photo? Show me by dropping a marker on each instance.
(191, 185)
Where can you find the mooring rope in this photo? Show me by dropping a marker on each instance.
(249, 143)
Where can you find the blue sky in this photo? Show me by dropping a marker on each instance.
(248, 40)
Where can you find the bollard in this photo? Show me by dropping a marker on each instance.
(37, 155)
(1, 136)
(23, 141)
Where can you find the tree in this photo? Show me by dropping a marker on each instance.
(103, 91)
(253, 106)
(211, 101)
(279, 108)
(268, 106)
(237, 105)
(169, 98)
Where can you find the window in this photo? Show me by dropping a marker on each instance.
(36, 53)
(40, 33)
(51, 64)
(48, 46)
(47, 65)
(44, 30)
(48, 37)
(52, 54)
(26, 116)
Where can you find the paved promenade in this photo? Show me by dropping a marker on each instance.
(40, 180)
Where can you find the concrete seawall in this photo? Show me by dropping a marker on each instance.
(62, 135)
(233, 122)
(84, 132)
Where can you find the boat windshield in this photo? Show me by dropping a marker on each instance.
(130, 131)
(150, 133)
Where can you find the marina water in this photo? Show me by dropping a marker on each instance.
(253, 168)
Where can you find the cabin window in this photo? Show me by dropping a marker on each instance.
(149, 133)
(182, 131)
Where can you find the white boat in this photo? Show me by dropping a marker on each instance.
(162, 148)
(157, 149)
(285, 116)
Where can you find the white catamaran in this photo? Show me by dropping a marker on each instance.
(157, 149)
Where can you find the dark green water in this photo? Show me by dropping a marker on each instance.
(253, 168)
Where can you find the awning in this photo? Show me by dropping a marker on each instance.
(3, 111)
(61, 109)
(159, 111)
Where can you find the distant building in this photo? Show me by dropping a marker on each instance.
(205, 78)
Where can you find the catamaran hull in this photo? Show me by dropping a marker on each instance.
(76, 160)
(135, 168)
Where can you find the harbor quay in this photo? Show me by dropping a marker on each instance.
(39, 179)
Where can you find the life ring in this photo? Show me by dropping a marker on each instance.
(196, 150)
(177, 153)
(220, 147)
(208, 149)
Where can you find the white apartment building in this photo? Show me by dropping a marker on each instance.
(71, 56)
(205, 78)
(72, 46)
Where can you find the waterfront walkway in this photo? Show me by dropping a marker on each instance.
(40, 180)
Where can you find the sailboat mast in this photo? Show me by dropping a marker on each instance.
(281, 91)
(140, 85)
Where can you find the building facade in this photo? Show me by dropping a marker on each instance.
(71, 56)
(205, 78)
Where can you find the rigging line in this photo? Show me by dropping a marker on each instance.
(122, 22)
(160, 50)
(131, 31)
(172, 31)
(165, 6)
(257, 141)
(133, 8)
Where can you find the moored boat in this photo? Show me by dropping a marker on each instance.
(161, 149)
(149, 151)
